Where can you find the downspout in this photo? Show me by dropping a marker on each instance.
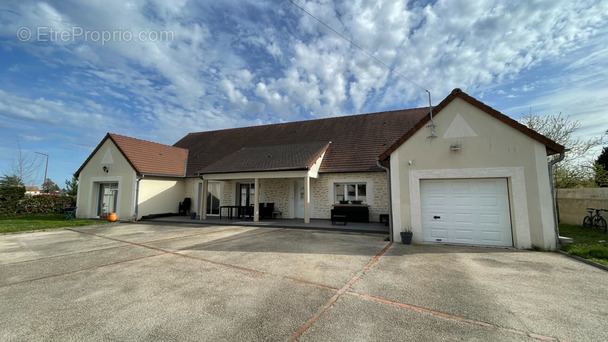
(137, 198)
(390, 197)
(555, 218)
(432, 125)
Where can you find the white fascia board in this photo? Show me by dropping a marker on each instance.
(314, 169)
(254, 175)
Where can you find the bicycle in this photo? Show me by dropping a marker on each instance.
(595, 221)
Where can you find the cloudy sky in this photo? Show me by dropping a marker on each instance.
(70, 71)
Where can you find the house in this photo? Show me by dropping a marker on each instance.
(469, 175)
(32, 190)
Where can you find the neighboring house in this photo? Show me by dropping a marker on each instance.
(32, 190)
(476, 177)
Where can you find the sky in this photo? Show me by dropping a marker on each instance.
(71, 71)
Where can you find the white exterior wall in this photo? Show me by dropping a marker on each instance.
(489, 149)
(160, 195)
(92, 175)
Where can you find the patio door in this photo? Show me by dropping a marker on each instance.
(107, 200)
(246, 192)
(298, 199)
(214, 191)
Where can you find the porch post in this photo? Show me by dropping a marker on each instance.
(256, 200)
(307, 199)
(203, 208)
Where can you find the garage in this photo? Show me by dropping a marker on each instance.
(466, 211)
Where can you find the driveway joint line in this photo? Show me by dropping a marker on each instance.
(159, 240)
(189, 256)
(336, 296)
(454, 317)
(82, 270)
(62, 255)
(239, 238)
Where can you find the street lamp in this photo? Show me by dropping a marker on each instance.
(45, 169)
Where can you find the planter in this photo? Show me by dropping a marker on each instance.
(112, 217)
(406, 238)
(356, 202)
(193, 216)
(343, 202)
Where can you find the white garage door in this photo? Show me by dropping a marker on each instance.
(467, 211)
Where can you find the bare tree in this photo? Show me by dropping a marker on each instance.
(577, 168)
(26, 166)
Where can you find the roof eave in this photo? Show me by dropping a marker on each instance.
(295, 168)
(551, 146)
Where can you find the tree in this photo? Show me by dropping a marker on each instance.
(26, 166)
(603, 158)
(51, 187)
(11, 180)
(601, 168)
(71, 186)
(576, 170)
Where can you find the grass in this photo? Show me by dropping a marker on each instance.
(588, 243)
(20, 223)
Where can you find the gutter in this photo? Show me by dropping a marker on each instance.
(555, 218)
(390, 197)
(137, 198)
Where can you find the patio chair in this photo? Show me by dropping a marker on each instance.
(184, 207)
(70, 212)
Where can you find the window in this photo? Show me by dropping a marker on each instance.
(350, 192)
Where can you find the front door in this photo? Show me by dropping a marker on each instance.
(299, 199)
(107, 200)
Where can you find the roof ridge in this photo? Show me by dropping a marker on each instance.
(301, 121)
(148, 141)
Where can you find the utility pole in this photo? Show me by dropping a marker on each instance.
(45, 169)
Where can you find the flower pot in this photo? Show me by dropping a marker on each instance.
(406, 238)
(193, 216)
(112, 217)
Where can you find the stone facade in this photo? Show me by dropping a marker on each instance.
(281, 192)
(323, 196)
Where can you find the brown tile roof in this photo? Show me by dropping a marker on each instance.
(270, 158)
(356, 140)
(147, 157)
(551, 146)
(32, 188)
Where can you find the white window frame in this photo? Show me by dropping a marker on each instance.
(346, 184)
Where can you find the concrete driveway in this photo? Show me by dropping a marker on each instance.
(152, 282)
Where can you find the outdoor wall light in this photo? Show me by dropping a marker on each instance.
(455, 147)
(105, 169)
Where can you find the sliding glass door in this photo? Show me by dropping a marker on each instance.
(108, 199)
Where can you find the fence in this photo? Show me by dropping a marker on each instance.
(572, 203)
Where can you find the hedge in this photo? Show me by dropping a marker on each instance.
(45, 204)
(10, 196)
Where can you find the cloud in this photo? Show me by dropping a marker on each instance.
(238, 63)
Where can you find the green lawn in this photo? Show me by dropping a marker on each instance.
(588, 243)
(19, 223)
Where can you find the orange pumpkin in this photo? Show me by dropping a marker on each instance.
(112, 217)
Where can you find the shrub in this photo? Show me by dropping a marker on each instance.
(45, 204)
(10, 196)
